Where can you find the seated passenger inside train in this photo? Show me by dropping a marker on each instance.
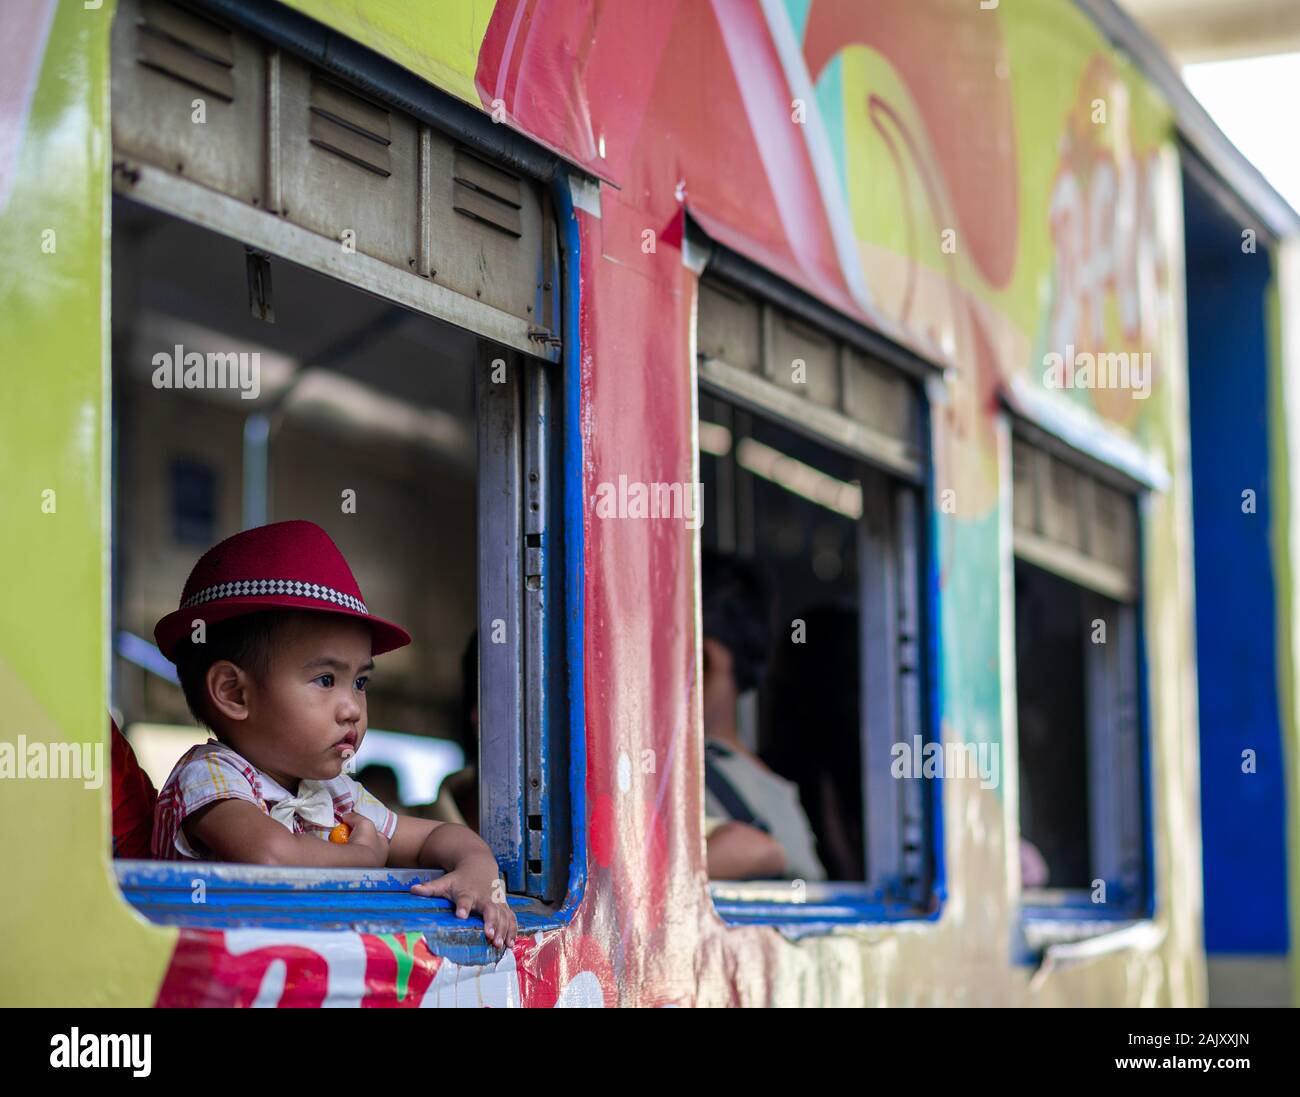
(739, 787)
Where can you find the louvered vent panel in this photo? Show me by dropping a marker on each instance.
(187, 47)
(349, 126)
(487, 194)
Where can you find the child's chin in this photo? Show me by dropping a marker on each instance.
(327, 771)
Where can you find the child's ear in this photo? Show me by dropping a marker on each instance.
(227, 688)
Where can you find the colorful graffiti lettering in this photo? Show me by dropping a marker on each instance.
(1108, 262)
(287, 970)
(255, 967)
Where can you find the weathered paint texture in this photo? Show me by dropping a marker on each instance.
(68, 937)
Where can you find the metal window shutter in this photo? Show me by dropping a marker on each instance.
(1069, 522)
(309, 151)
(880, 397)
(798, 349)
(166, 58)
(728, 328)
(748, 350)
(486, 231)
(348, 165)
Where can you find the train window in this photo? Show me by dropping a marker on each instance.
(331, 420)
(810, 460)
(1077, 685)
(376, 313)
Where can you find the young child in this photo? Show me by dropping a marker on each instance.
(273, 645)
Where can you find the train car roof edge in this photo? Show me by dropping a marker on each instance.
(1201, 135)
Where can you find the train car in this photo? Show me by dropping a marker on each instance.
(960, 319)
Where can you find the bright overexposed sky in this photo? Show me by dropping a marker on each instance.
(1256, 102)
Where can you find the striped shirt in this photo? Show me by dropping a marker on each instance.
(213, 771)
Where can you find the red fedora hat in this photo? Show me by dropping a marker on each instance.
(286, 565)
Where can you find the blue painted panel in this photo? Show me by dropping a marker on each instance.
(574, 539)
(241, 896)
(932, 717)
(831, 906)
(845, 904)
(1076, 905)
(1242, 815)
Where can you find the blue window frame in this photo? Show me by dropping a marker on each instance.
(531, 579)
(203, 895)
(1080, 690)
(813, 458)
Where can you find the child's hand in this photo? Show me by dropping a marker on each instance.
(367, 837)
(475, 887)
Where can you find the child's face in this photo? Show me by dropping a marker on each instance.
(307, 714)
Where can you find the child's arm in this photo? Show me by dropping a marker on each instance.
(235, 830)
(471, 882)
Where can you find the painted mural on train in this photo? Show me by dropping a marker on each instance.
(994, 192)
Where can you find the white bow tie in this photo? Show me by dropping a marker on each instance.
(314, 805)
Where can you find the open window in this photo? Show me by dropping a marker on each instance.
(373, 310)
(812, 464)
(1078, 696)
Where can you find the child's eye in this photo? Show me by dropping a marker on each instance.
(326, 680)
(361, 683)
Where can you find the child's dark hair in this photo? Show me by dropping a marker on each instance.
(245, 641)
(737, 609)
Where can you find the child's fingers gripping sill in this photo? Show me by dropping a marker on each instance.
(236, 830)
(468, 895)
(472, 880)
(500, 925)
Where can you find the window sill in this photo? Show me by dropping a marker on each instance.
(1069, 921)
(1075, 904)
(820, 907)
(260, 896)
(1108, 939)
